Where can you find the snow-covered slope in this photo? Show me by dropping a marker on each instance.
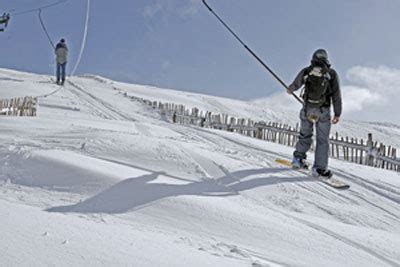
(96, 179)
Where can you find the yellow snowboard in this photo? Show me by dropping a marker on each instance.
(329, 181)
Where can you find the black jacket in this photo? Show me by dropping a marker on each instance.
(334, 94)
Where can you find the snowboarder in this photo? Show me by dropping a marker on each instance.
(321, 88)
(61, 58)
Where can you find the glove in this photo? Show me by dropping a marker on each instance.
(335, 119)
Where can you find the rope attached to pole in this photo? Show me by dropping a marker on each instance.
(44, 28)
(83, 39)
(38, 8)
(252, 53)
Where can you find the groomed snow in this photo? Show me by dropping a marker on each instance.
(99, 180)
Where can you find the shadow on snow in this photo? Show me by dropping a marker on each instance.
(133, 193)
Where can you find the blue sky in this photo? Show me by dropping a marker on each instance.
(179, 44)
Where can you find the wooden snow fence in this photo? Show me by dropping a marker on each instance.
(355, 150)
(20, 106)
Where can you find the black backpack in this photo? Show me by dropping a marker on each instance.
(316, 80)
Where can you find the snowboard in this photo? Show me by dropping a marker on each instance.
(333, 182)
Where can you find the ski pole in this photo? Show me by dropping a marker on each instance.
(251, 52)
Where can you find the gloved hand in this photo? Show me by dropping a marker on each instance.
(335, 119)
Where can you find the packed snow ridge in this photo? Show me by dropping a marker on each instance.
(98, 179)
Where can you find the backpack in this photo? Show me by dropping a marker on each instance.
(316, 81)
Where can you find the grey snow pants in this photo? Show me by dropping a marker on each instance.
(323, 128)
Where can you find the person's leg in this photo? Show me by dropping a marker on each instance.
(58, 72)
(63, 67)
(305, 139)
(323, 127)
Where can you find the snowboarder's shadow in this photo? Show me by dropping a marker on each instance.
(135, 193)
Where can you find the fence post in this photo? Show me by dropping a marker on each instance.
(202, 121)
(361, 152)
(371, 151)
(259, 132)
(382, 152)
(174, 117)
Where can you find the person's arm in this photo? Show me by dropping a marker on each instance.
(297, 83)
(66, 54)
(336, 97)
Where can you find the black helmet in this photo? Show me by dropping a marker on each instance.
(320, 56)
(62, 40)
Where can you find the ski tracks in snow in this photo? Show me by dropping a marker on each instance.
(99, 106)
(223, 249)
(343, 239)
(261, 156)
(214, 172)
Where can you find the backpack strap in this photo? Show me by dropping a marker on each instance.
(307, 73)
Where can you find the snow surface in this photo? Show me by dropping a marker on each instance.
(98, 179)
